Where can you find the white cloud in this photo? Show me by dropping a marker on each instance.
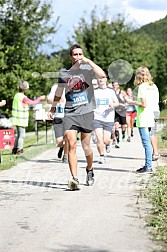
(140, 12)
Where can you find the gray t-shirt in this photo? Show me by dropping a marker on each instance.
(79, 92)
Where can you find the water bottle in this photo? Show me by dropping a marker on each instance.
(60, 110)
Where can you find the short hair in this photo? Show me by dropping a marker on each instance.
(23, 85)
(74, 46)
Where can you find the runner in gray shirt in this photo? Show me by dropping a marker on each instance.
(80, 102)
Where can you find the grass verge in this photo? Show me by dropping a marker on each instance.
(31, 150)
(156, 193)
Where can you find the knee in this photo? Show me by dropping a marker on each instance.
(72, 145)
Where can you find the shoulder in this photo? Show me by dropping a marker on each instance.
(123, 92)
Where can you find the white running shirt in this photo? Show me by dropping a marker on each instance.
(103, 98)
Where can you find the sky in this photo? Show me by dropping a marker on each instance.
(139, 12)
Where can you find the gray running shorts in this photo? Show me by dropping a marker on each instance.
(108, 126)
(82, 123)
(58, 127)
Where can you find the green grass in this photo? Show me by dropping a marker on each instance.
(156, 193)
(164, 113)
(31, 150)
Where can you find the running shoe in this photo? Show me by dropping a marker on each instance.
(108, 148)
(65, 159)
(117, 146)
(144, 169)
(90, 177)
(73, 184)
(131, 133)
(128, 139)
(102, 160)
(123, 136)
(60, 152)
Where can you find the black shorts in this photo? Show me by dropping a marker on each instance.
(81, 123)
(120, 119)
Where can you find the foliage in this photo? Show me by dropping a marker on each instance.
(156, 192)
(157, 30)
(161, 72)
(158, 197)
(24, 28)
(105, 41)
(31, 150)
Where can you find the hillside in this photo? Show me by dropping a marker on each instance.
(158, 30)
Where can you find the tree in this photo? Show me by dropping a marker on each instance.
(24, 27)
(161, 72)
(105, 41)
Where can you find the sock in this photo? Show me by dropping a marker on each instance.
(117, 135)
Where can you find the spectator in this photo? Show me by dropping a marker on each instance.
(154, 138)
(20, 115)
(145, 113)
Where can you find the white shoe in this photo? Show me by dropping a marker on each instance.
(102, 160)
(73, 184)
(90, 178)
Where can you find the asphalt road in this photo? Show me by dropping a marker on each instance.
(39, 214)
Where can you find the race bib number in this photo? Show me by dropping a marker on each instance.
(78, 98)
(102, 101)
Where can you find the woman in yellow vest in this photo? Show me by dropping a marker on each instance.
(20, 115)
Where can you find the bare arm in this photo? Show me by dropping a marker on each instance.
(57, 97)
(114, 104)
(33, 102)
(98, 71)
(140, 104)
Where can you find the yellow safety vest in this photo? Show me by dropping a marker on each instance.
(20, 114)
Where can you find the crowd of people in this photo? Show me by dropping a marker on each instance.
(100, 110)
(85, 102)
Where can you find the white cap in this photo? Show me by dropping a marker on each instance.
(24, 85)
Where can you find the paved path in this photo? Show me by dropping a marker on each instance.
(39, 214)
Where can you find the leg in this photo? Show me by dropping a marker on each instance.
(65, 156)
(85, 140)
(21, 136)
(123, 125)
(133, 116)
(128, 122)
(71, 136)
(145, 137)
(59, 141)
(117, 131)
(154, 142)
(14, 151)
(59, 132)
(106, 136)
(100, 143)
